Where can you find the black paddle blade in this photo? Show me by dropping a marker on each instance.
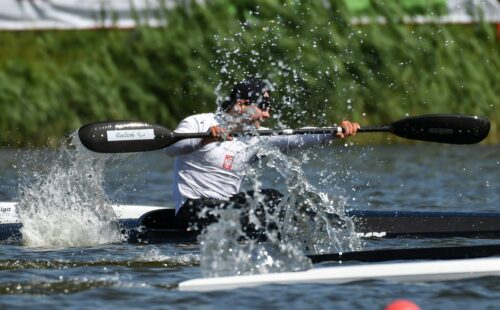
(442, 128)
(124, 136)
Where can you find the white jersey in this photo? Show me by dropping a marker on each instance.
(216, 170)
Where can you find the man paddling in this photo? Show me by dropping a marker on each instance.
(208, 172)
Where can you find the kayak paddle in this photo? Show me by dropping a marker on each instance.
(130, 136)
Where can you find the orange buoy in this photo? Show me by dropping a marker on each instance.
(402, 304)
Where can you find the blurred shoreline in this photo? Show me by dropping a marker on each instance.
(324, 70)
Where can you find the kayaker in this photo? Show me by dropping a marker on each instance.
(208, 172)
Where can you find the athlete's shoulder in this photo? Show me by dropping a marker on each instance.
(200, 117)
(197, 122)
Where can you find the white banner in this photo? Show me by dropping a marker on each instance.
(80, 14)
(89, 14)
(459, 12)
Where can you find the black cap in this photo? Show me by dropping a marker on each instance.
(250, 89)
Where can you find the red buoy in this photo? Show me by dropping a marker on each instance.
(402, 304)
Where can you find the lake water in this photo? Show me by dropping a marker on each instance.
(422, 177)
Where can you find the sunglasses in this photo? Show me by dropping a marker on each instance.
(263, 104)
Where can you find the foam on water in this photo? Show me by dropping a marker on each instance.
(154, 254)
(65, 205)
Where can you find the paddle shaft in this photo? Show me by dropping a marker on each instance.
(303, 131)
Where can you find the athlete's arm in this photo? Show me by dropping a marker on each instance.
(287, 143)
(185, 146)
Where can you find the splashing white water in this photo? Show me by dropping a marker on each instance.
(223, 254)
(66, 206)
(314, 219)
(312, 222)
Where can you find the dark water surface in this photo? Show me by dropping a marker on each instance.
(424, 177)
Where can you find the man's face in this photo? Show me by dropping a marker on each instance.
(255, 113)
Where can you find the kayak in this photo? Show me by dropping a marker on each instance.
(421, 271)
(129, 217)
(158, 225)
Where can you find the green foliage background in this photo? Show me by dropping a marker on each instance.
(324, 69)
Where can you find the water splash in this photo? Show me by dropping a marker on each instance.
(314, 221)
(223, 253)
(65, 205)
(310, 221)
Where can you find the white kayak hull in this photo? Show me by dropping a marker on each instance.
(422, 271)
(9, 213)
